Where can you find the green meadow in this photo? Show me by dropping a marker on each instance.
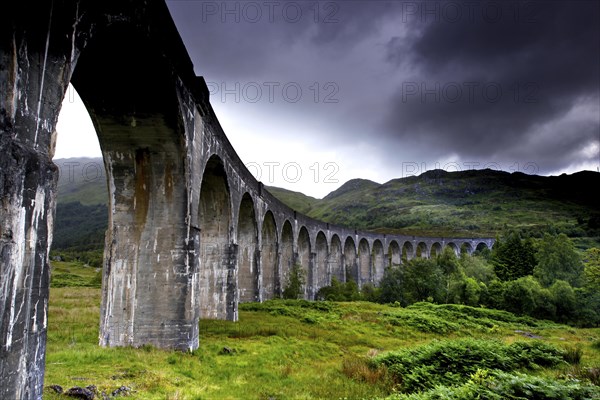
(295, 349)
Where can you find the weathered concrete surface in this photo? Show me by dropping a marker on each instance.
(145, 159)
(32, 83)
(191, 233)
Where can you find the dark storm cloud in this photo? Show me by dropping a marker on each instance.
(242, 38)
(485, 84)
(501, 81)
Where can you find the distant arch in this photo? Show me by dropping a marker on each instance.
(394, 254)
(287, 254)
(364, 260)
(378, 261)
(454, 248)
(304, 252)
(321, 262)
(436, 249)
(481, 247)
(408, 251)
(335, 260)
(351, 267)
(268, 256)
(422, 251)
(466, 248)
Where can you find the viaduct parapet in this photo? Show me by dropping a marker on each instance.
(191, 233)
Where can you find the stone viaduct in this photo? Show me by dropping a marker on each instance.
(191, 232)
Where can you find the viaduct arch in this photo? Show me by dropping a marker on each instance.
(188, 222)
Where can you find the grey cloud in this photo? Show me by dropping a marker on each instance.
(544, 58)
(543, 65)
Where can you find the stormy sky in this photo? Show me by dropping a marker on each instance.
(312, 94)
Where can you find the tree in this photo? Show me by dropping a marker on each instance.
(519, 295)
(351, 292)
(294, 289)
(472, 292)
(448, 261)
(391, 286)
(478, 268)
(513, 257)
(370, 292)
(558, 260)
(587, 312)
(591, 262)
(333, 292)
(494, 297)
(564, 299)
(424, 280)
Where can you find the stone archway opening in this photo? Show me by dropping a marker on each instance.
(287, 253)
(335, 268)
(394, 254)
(247, 244)
(351, 266)
(454, 248)
(378, 261)
(215, 249)
(268, 255)
(407, 251)
(422, 250)
(364, 260)
(466, 248)
(482, 250)
(436, 249)
(129, 89)
(304, 253)
(481, 247)
(321, 263)
(82, 199)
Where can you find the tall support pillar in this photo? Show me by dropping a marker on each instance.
(34, 75)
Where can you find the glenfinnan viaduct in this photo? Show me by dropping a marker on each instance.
(191, 232)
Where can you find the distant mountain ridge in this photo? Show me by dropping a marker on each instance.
(436, 203)
(352, 186)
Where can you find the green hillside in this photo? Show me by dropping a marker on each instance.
(82, 180)
(469, 203)
(296, 200)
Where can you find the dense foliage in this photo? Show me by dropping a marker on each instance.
(544, 279)
(418, 369)
(80, 227)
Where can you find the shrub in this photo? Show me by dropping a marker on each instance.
(451, 362)
(498, 385)
(573, 354)
(360, 369)
(294, 288)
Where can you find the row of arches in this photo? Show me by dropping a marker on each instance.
(250, 260)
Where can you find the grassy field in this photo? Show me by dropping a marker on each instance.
(315, 350)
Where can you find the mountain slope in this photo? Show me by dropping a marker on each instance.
(82, 180)
(296, 200)
(469, 203)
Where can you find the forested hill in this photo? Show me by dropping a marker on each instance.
(435, 203)
(470, 203)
